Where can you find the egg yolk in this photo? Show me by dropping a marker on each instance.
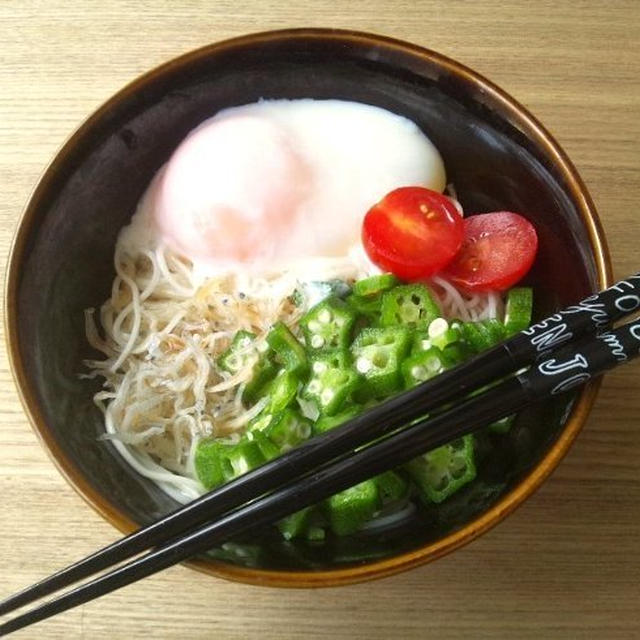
(230, 191)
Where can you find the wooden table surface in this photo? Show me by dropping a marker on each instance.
(566, 564)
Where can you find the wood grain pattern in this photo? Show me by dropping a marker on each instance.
(566, 564)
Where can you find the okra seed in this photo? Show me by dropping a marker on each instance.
(324, 316)
(363, 365)
(241, 466)
(438, 327)
(319, 367)
(419, 373)
(317, 341)
(381, 359)
(326, 396)
(305, 430)
(314, 386)
(458, 472)
(442, 484)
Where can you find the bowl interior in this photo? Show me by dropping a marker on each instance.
(91, 190)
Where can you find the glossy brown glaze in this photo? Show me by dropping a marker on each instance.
(496, 154)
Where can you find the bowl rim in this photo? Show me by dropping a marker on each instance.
(352, 573)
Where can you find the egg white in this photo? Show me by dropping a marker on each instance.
(350, 154)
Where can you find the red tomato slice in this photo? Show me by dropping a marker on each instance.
(498, 250)
(412, 232)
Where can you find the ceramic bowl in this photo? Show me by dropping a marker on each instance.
(497, 155)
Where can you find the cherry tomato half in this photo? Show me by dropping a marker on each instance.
(498, 250)
(412, 232)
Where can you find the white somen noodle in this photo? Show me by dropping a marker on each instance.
(161, 332)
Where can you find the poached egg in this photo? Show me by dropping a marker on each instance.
(280, 181)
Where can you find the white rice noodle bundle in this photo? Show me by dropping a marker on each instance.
(164, 327)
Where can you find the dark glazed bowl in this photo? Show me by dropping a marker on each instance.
(497, 156)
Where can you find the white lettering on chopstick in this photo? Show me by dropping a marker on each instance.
(569, 383)
(628, 303)
(550, 338)
(597, 310)
(554, 367)
(615, 346)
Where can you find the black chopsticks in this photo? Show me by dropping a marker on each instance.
(328, 460)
